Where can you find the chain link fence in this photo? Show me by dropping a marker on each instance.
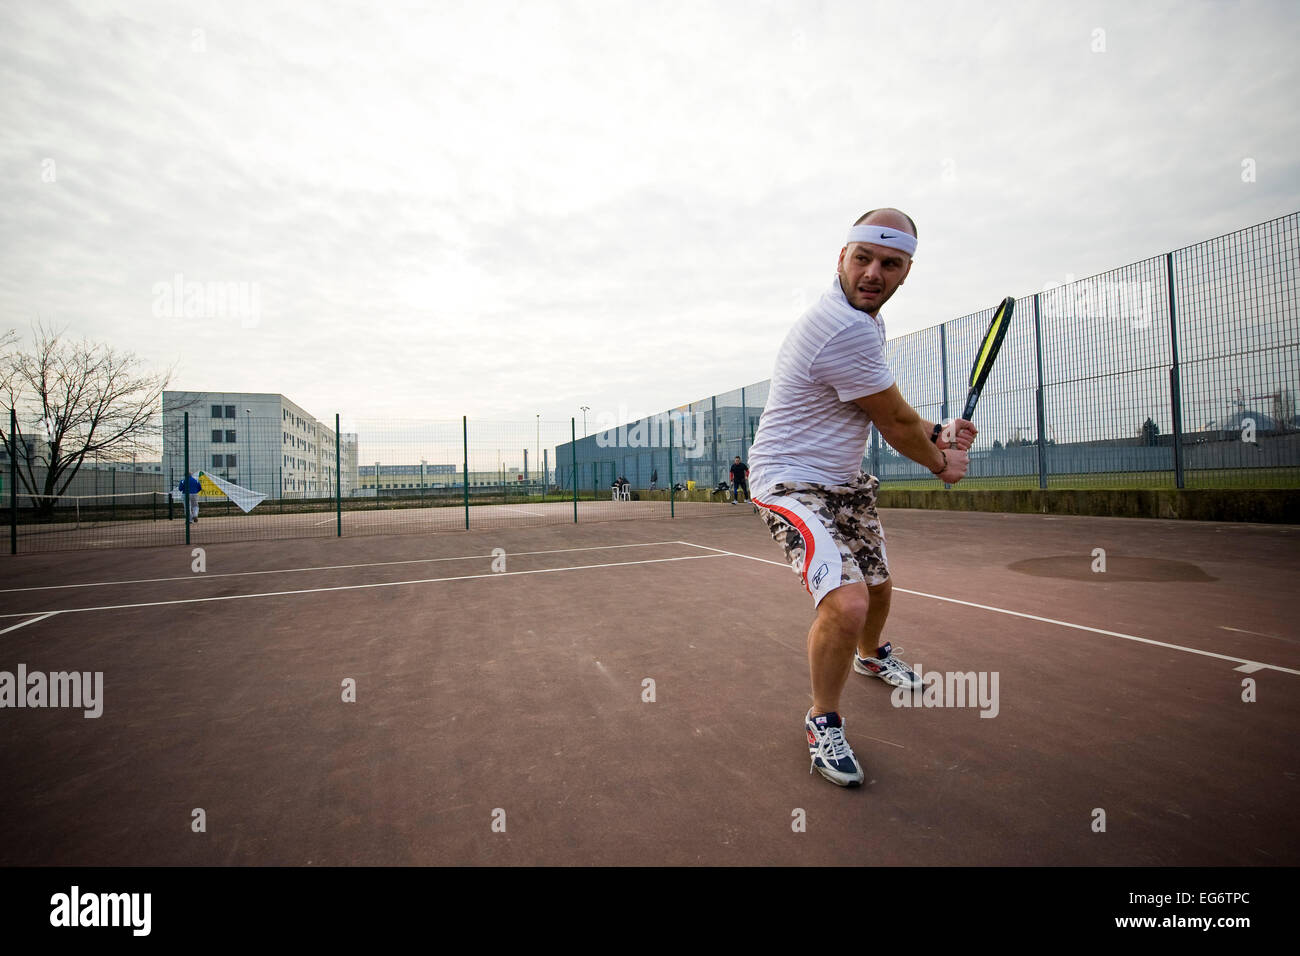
(1179, 371)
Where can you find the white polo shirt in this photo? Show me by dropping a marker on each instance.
(810, 430)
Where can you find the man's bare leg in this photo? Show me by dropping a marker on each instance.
(842, 617)
(877, 611)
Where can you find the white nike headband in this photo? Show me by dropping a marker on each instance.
(882, 236)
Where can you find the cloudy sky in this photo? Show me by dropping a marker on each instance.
(503, 209)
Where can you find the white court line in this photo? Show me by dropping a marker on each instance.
(1256, 665)
(41, 617)
(539, 514)
(327, 567)
(361, 587)
(1242, 630)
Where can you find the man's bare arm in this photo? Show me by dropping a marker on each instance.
(907, 432)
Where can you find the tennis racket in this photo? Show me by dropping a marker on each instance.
(987, 354)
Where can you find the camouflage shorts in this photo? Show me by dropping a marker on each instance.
(831, 533)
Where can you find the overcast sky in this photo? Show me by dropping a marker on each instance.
(504, 209)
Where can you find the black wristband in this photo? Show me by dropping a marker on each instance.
(934, 435)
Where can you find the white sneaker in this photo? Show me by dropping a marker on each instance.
(831, 754)
(887, 667)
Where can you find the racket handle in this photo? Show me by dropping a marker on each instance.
(972, 397)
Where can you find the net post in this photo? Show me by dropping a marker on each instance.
(13, 481)
(464, 425)
(338, 477)
(1038, 399)
(1175, 380)
(573, 458)
(186, 515)
(672, 487)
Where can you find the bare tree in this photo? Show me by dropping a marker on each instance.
(74, 400)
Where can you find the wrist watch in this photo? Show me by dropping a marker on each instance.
(938, 428)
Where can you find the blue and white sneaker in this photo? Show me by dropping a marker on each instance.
(887, 667)
(831, 754)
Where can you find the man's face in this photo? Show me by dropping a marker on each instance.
(871, 274)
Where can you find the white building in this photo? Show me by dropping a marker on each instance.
(257, 440)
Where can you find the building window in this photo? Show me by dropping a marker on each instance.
(230, 435)
(216, 461)
(216, 411)
(216, 436)
(230, 411)
(230, 461)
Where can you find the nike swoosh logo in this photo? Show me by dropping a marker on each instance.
(883, 236)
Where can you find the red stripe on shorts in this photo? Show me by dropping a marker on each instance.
(809, 543)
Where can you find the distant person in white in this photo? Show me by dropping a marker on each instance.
(830, 385)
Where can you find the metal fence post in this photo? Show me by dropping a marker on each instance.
(187, 478)
(464, 426)
(1175, 381)
(13, 481)
(1038, 398)
(338, 476)
(943, 378)
(943, 371)
(672, 488)
(744, 425)
(573, 458)
(714, 482)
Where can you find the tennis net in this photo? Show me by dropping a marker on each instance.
(79, 511)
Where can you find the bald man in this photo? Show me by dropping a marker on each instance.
(831, 384)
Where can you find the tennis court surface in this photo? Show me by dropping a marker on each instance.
(504, 715)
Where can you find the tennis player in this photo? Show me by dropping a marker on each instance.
(739, 480)
(831, 384)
